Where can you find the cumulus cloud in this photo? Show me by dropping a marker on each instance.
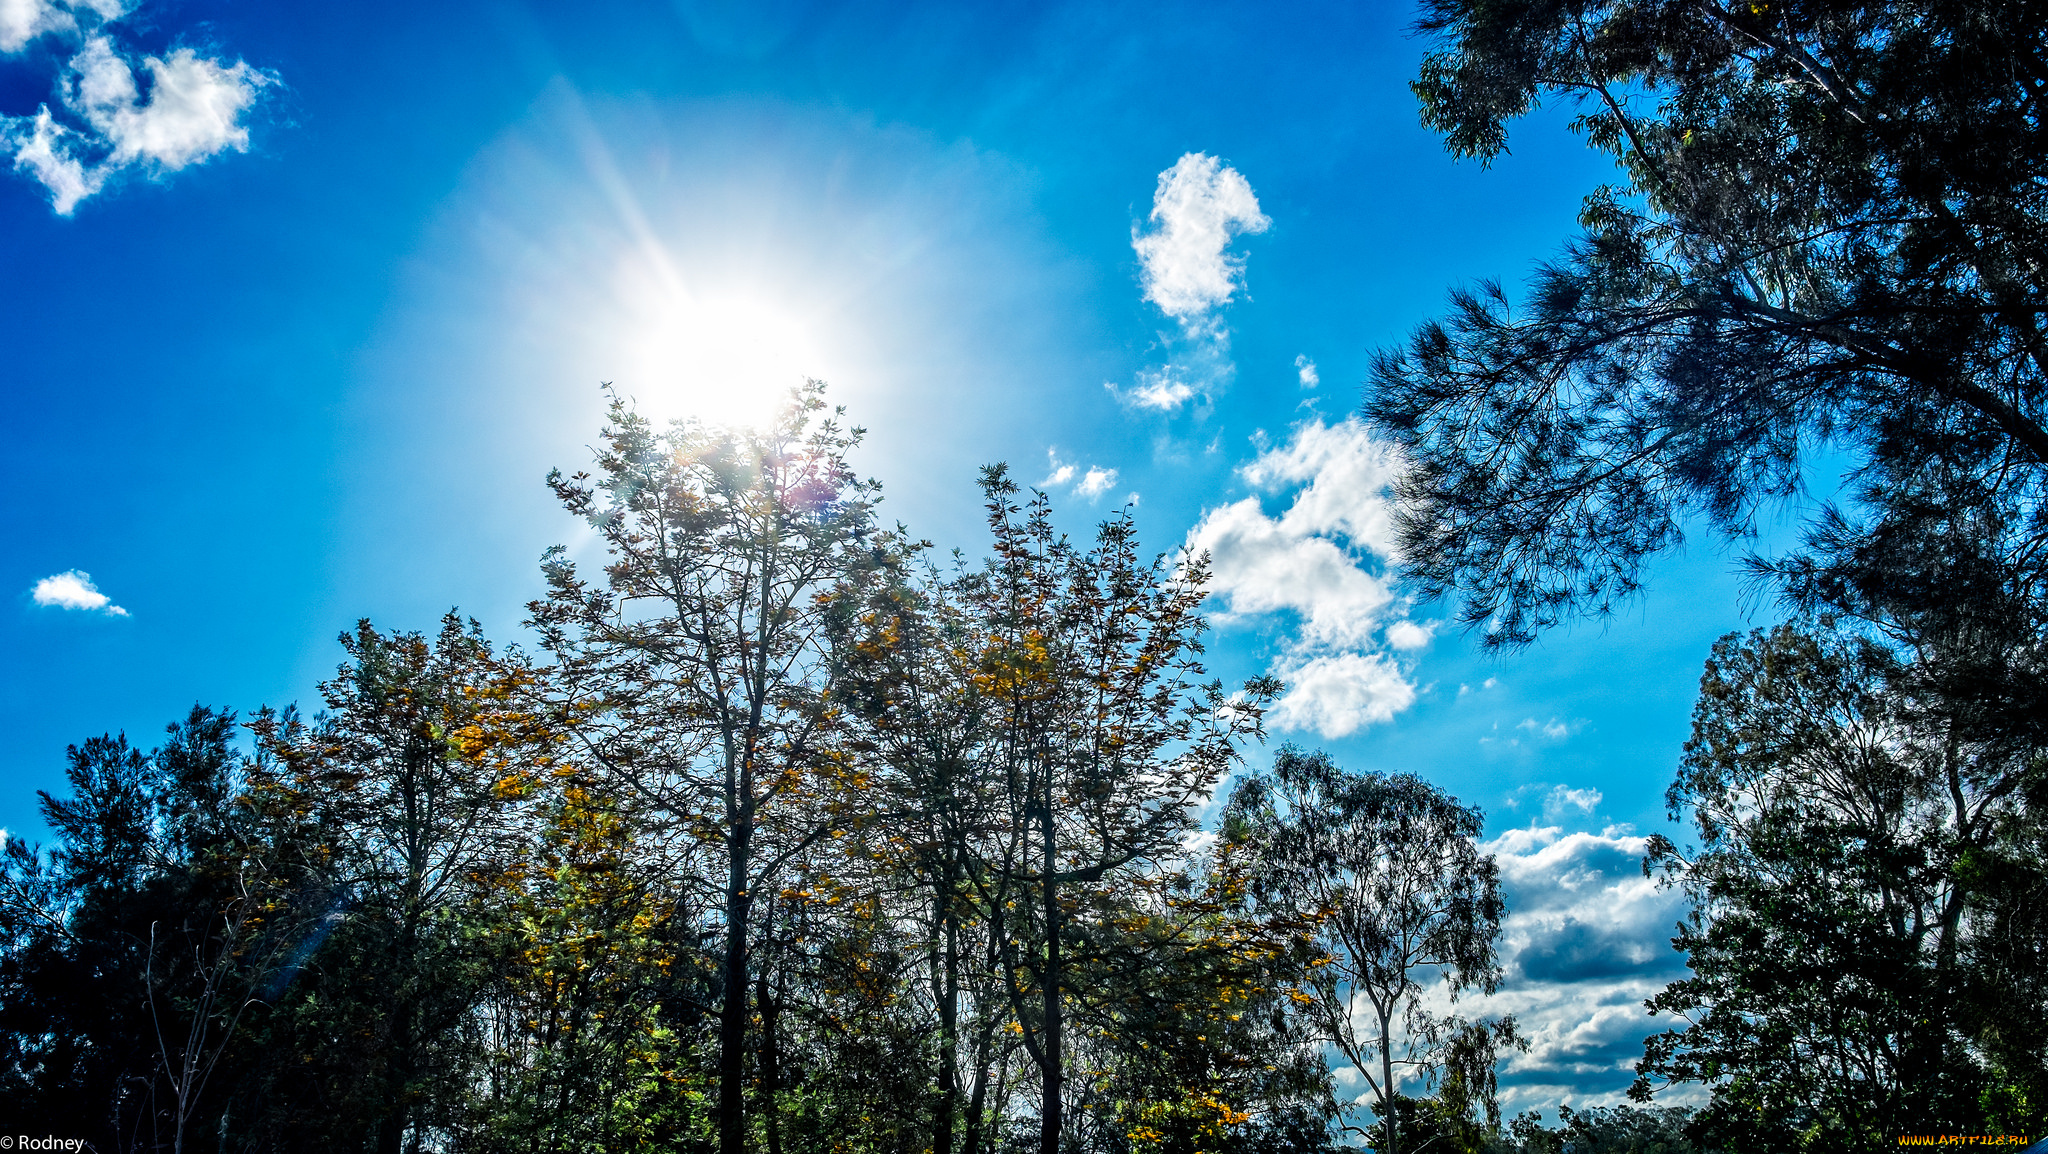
(1323, 564)
(1095, 483)
(1305, 371)
(1091, 484)
(1186, 268)
(73, 589)
(1198, 206)
(114, 114)
(1409, 635)
(1587, 940)
(1339, 693)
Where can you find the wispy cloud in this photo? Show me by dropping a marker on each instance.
(1186, 268)
(1305, 371)
(1323, 565)
(115, 114)
(1537, 732)
(73, 589)
(1156, 389)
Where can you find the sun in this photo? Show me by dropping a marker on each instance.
(722, 345)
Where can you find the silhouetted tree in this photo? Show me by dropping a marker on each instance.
(1387, 869)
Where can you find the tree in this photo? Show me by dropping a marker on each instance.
(132, 952)
(1189, 1033)
(907, 649)
(1837, 898)
(699, 667)
(1823, 246)
(1043, 727)
(1106, 736)
(1387, 869)
(1824, 238)
(398, 793)
(594, 1023)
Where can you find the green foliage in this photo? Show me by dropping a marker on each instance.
(1822, 239)
(1822, 245)
(1600, 1130)
(795, 842)
(1843, 922)
(1386, 871)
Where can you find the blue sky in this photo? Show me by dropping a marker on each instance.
(333, 286)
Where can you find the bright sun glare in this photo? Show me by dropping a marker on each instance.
(728, 354)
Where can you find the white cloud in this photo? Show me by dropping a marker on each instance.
(23, 20)
(1552, 730)
(1186, 268)
(1339, 693)
(1097, 482)
(1489, 683)
(1348, 473)
(1262, 564)
(1409, 635)
(1323, 562)
(1092, 483)
(1061, 472)
(107, 121)
(1306, 370)
(73, 589)
(1563, 797)
(1156, 389)
(1198, 206)
(1586, 940)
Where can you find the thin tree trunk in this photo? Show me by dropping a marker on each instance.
(1390, 1100)
(732, 1017)
(770, 1063)
(946, 980)
(1053, 1064)
(977, 1098)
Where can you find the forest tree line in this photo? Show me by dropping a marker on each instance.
(788, 836)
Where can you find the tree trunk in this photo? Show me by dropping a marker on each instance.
(732, 1016)
(770, 1062)
(1054, 1063)
(1390, 1101)
(977, 1097)
(946, 992)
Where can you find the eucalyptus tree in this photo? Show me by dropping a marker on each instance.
(1854, 973)
(698, 664)
(1388, 871)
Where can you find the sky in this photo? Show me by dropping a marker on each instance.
(306, 300)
